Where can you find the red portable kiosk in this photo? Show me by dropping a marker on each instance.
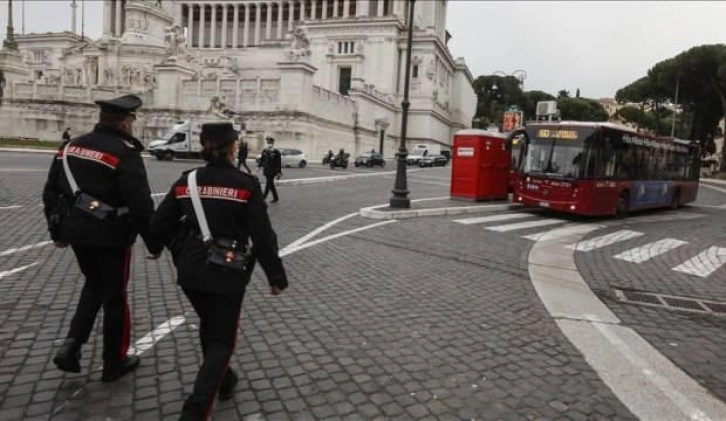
(480, 165)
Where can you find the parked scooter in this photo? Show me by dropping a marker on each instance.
(340, 161)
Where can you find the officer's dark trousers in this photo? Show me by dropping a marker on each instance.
(242, 162)
(107, 274)
(270, 187)
(218, 322)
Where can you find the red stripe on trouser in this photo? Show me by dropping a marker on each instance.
(125, 338)
(207, 413)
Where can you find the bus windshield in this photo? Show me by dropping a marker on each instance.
(556, 152)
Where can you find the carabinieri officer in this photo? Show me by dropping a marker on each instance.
(97, 199)
(208, 235)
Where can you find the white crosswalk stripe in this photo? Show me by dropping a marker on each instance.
(605, 240)
(557, 234)
(526, 224)
(650, 250)
(493, 218)
(705, 263)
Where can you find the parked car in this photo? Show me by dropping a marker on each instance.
(433, 161)
(370, 159)
(289, 158)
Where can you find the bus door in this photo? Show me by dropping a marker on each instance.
(516, 146)
(608, 172)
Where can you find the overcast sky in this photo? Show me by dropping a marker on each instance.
(598, 47)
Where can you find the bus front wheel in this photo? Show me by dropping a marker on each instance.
(623, 205)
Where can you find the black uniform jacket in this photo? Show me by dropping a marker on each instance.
(235, 210)
(273, 163)
(107, 165)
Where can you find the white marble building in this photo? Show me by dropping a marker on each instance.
(315, 74)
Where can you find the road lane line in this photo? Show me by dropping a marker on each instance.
(558, 234)
(7, 273)
(24, 248)
(526, 224)
(315, 232)
(493, 218)
(151, 338)
(332, 237)
(705, 263)
(10, 207)
(605, 240)
(718, 189)
(650, 250)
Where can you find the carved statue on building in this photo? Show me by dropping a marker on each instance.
(175, 41)
(299, 45)
(108, 77)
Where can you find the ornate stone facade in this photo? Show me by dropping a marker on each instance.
(315, 74)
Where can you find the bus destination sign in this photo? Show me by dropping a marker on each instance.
(559, 134)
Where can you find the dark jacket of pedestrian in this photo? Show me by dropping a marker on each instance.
(242, 152)
(100, 220)
(236, 213)
(272, 163)
(66, 137)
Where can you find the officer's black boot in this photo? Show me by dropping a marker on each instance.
(226, 390)
(68, 357)
(113, 370)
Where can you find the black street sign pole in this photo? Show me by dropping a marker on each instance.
(400, 191)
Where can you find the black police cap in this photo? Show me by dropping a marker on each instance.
(127, 104)
(220, 134)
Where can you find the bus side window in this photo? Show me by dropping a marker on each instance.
(608, 157)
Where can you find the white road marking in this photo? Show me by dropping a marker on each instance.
(151, 338)
(289, 250)
(558, 234)
(718, 189)
(705, 263)
(10, 207)
(315, 232)
(605, 240)
(527, 224)
(6, 273)
(24, 248)
(158, 194)
(650, 250)
(493, 218)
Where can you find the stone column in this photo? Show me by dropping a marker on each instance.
(380, 8)
(201, 26)
(280, 18)
(291, 14)
(190, 25)
(335, 8)
(107, 9)
(314, 10)
(258, 18)
(346, 8)
(119, 12)
(246, 35)
(235, 28)
(268, 28)
(325, 9)
(361, 8)
(213, 29)
(302, 10)
(224, 26)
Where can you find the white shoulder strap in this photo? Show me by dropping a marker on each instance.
(67, 170)
(198, 208)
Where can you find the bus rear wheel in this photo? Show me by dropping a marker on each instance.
(623, 205)
(676, 200)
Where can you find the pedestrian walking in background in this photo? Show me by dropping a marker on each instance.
(206, 221)
(97, 199)
(272, 168)
(242, 155)
(66, 137)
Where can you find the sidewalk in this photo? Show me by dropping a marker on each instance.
(435, 206)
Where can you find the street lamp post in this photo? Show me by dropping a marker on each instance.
(400, 190)
(520, 74)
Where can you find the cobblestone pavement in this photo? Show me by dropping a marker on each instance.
(695, 341)
(417, 319)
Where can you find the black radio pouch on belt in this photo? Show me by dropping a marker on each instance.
(94, 207)
(225, 253)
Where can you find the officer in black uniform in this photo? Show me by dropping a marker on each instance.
(100, 221)
(272, 168)
(235, 211)
(66, 137)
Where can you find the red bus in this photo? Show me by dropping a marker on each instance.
(514, 145)
(589, 168)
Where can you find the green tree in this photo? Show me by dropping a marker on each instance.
(563, 94)
(531, 98)
(581, 109)
(494, 96)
